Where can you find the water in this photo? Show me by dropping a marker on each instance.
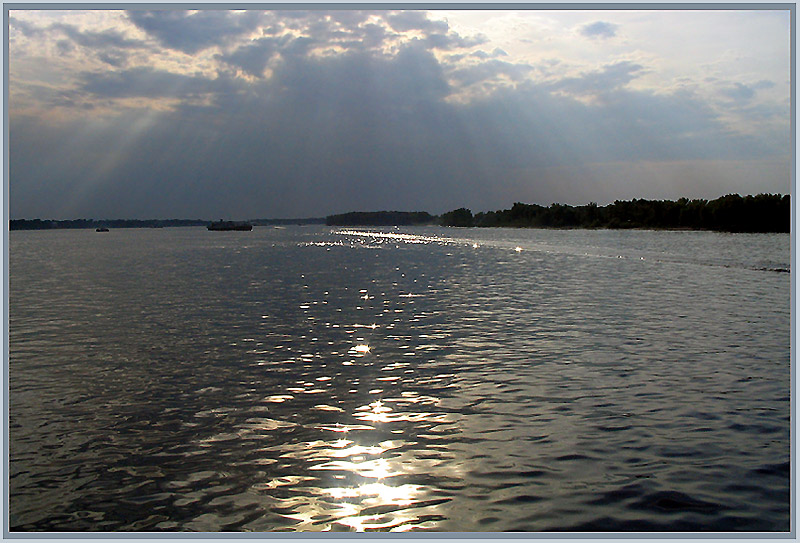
(310, 378)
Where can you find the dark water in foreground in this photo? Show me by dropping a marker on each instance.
(309, 378)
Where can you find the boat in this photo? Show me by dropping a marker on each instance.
(230, 225)
(101, 229)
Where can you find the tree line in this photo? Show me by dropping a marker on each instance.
(39, 224)
(730, 213)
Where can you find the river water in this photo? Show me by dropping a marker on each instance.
(314, 378)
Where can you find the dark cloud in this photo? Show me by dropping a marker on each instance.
(599, 29)
(298, 46)
(253, 57)
(448, 41)
(403, 21)
(192, 32)
(739, 92)
(65, 46)
(113, 58)
(350, 31)
(100, 40)
(483, 55)
(145, 83)
(480, 54)
(742, 94)
(367, 37)
(110, 46)
(357, 81)
(26, 28)
(290, 33)
(313, 139)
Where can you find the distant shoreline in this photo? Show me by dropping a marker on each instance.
(72, 224)
(731, 213)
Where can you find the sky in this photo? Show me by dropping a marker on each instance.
(288, 114)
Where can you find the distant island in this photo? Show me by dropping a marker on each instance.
(731, 213)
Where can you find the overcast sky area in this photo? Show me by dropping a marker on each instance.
(288, 114)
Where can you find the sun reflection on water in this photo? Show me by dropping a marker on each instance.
(374, 412)
(373, 502)
(370, 502)
(363, 484)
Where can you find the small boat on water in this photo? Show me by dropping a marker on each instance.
(101, 229)
(230, 225)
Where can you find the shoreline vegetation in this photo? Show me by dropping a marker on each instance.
(730, 213)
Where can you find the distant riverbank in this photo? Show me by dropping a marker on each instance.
(38, 224)
(731, 213)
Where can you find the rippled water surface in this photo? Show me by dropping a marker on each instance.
(310, 378)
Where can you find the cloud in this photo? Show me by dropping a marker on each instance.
(404, 21)
(348, 110)
(599, 30)
(103, 39)
(436, 34)
(351, 131)
(145, 82)
(739, 92)
(453, 41)
(314, 138)
(192, 32)
(253, 57)
(357, 81)
(26, 28)
(609, 77)
(764, 84)
(115, 59)
(109, 46)
(742, 94)
(331, 33)
(489, 70)
(373, 35)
